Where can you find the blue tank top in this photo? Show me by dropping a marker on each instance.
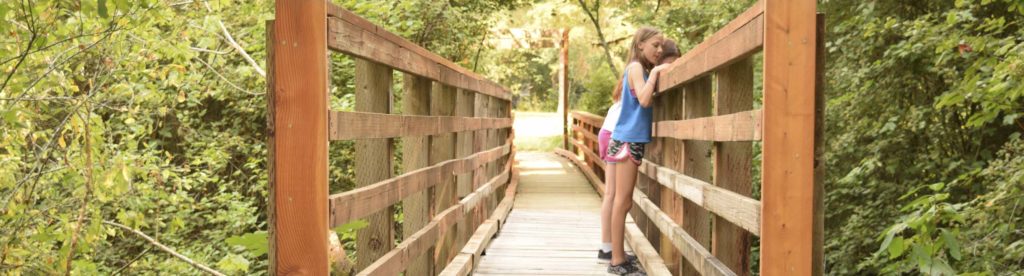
(634, 124)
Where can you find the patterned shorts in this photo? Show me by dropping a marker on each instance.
(618, 151)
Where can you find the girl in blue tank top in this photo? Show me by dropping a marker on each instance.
(632, 132)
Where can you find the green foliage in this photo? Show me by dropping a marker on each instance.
(141, 112)
(920, 93)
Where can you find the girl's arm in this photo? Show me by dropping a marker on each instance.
(646, 92)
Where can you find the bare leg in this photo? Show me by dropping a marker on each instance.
(606, 204)
(625, 176)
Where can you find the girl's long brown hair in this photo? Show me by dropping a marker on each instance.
(642, 34)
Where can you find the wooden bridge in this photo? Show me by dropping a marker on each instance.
(472, 205)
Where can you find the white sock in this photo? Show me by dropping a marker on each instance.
(606, 247)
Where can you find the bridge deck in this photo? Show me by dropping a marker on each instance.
(554, 227)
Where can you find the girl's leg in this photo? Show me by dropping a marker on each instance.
(606, 204)
(625, 179)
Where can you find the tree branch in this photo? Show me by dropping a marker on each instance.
(165, 248)
(600, 35)
(234, 44)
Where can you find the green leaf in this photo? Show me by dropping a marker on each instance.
(952, 244)
(233, 263)
(351, 226)
(255, 243)
(896, 248)
(101, 8)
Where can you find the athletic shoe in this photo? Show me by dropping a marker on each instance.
(626, 268)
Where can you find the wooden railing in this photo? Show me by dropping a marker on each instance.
(694, 197)
(459, 179)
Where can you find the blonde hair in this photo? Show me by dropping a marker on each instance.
(641, 35)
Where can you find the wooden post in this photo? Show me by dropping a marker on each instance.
(563, 88)
(732, 169)
(697, 164)
(442, 148)
(788, 188)
(298, 166)
(416, 101)
(671, 157)
(373, 161)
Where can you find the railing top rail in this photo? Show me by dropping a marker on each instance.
(354, 35)
(742, 36)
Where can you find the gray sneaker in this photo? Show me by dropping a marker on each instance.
(626, 268)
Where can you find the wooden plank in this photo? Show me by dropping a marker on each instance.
(360, 125)
(588, 118)
(396, 260)
(741, 38)
(739, 126)
(415, 153)
(701, 260)
(696, 162)
(588, 136)
(732, 169)
(464, 138)
(788, 187)
(373, 161)
(737, 209)
(461, 265)
(670, 153)
(298, 69)
(348, 33)
(443, 148)
(365, 200)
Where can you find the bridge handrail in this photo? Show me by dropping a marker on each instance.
(696, 185)
(457, 172)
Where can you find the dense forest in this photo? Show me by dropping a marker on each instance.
(120, 118)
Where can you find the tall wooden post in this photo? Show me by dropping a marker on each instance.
(298, 138)
(373, 161)
(416, 101)
(788, 187)
(563, 88)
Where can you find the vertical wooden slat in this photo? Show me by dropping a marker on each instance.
(563, 87)
(298, 239)
(697, 164)
(464, 147)
(373, 160)
(442, 148)
(672, 157)
(732, 169)
(415, 155)
(788, 189)
(658, 151)
(819, 151)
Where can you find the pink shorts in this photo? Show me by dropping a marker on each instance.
(603, 138)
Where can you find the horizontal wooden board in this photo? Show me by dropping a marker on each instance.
(350, 34)
(368, 199)
(588, 118)
(740, 38)
(362, 125)
(743, 211)
(691, 249)
(740, 126)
